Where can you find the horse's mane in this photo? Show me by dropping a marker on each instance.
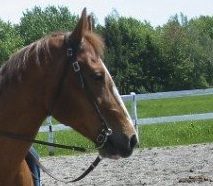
(20, 58)
(13, 69)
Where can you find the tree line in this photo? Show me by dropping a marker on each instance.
(141, 58)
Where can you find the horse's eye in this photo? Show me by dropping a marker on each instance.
(98, 77)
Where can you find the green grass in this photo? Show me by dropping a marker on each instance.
(66, 138)
(170, 134)
(175, 106)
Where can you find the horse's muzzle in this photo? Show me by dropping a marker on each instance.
(119, 145)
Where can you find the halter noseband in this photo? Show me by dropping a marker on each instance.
(106, 131)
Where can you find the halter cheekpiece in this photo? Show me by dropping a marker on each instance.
(106, 131)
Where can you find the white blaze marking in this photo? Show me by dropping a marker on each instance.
(117, 96)
(121, 103)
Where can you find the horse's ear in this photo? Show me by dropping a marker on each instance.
(90, 23)
(81, 27)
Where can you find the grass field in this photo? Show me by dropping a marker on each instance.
(170, 134)
(175, 106)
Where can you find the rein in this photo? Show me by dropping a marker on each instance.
(86, 172)
(44, 169)
(26, 139)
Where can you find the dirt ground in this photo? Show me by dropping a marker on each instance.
(182, 165)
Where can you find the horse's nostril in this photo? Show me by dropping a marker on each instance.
(133, 141)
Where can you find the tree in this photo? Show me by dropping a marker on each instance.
(201, 35)
(37, 23)
(125, 39)
(176, 51)
(151, 66)
(10, 40)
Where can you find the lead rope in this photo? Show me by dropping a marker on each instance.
(44, 169)
(11, 135)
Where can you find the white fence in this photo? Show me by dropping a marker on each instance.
(133, 98)
(174, 94)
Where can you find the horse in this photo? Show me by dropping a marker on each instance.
(62, 75)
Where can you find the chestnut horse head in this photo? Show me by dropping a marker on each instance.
(62, 75)
(88, 99)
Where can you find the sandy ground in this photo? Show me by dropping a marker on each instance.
(183, 165)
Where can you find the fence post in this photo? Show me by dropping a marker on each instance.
(134, 112)
(51, 149)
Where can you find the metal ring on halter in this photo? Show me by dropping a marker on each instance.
(108, 131)
(103, 136)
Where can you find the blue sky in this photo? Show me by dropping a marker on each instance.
(157, 12)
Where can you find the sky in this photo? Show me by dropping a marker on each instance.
(157, 12)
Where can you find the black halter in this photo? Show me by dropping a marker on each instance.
(71, 52)
(72, 55)
(105, 132)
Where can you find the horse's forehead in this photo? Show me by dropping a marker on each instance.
(91, 47)
(87, 46)
(90, 52)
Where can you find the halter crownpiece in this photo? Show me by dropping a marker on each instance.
(75, 65)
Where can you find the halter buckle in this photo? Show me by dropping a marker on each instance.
(76, 66)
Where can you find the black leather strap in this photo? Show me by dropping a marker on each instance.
(11, 135)
(44, 169)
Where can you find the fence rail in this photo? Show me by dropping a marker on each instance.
(170, 119)
(133, 98)
(167, 95)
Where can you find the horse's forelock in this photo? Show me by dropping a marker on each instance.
(96, 41)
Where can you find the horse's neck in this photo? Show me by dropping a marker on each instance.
(21, 112)
(24, 104)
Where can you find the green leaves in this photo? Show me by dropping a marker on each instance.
(37, 23)
(126, 40)
(10, 40)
